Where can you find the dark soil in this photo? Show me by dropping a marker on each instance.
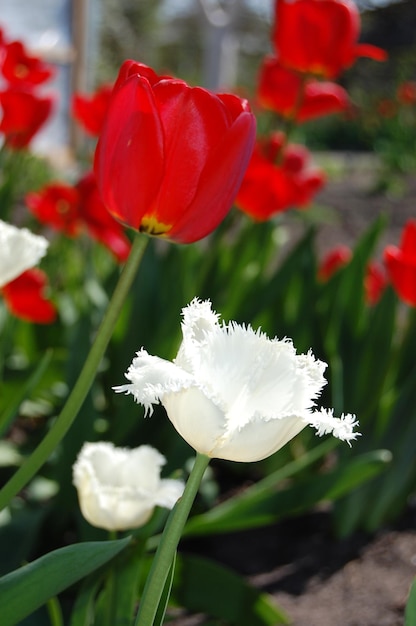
(317, 579)
(320, 580)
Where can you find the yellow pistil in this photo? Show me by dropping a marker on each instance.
(151, 226)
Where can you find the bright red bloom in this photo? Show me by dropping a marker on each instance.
(336, 258)
(74, 209)
(320, 36)
(278, 177)
(401, 264)
(25, 297)
(375, 282)
(56, 205)
(101, 225)
(286, 93)
(23, 114)
(170, 158)
(90, 111)
(406, 92)
(19, 68)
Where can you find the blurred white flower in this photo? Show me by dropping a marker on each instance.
(231, 392)
(19, 251)
(118, 488)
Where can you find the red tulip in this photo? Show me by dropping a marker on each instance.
(375, 282)
(171, 157)
(336, 258)
(100, 224)
(406, 92)
(286, 93)
(401, 264)
(23, 114)
(278, 177)
(320, 36)
(25, 298)
(74, 209)
(56, 205)
(90, 111)
(19, 68)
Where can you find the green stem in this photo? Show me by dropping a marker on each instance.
(85, 379)
(167, 548)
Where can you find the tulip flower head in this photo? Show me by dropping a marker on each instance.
(400, 263)
(320, 36)
(25, 297)
(23, 115)
(90, 111)
(231, 392)
(333, 261)
(284, 91)
(279, 177)
(19, 251)
(118, 488)
(171, 157)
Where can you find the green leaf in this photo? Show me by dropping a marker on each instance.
(164, 600)
(259, 506)
(410, 613)
(23, 392)
(28, 588)
(201, 585)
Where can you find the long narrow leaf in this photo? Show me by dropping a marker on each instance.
(26, 589)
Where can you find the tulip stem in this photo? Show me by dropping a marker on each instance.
(166, 551)
(85, 379)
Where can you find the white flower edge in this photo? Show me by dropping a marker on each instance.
(20, 250)
(231, 392)
(118, 488)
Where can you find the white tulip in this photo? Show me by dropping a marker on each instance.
(20, 250)
(118, 488)
(231, 392)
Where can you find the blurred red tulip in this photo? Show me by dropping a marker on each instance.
(19, 68)
(56, 205)
(400, 263)
(25, 297)
(170, 158)
(320, 36)
(336, 258)
(286, 93)
(375, 283)
(74, 209)
(278, 177)
(23, 114)
(90, 111)
(101, 225)
(406, 92)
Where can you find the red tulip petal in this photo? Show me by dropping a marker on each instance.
(129, 159)
(25, 298)
(219, 182)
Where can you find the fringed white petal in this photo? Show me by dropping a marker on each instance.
(341, 427)
(151, 378)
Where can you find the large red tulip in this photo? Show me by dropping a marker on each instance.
(400, 263)
(171, 157)
(320, 36)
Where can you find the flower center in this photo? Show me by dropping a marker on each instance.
(152, 226)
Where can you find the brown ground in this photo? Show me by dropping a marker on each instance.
(319, 581)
